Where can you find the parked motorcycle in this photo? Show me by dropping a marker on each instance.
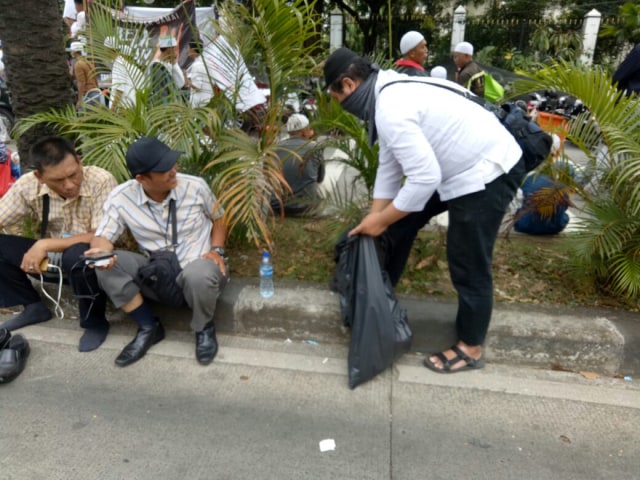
(555, 102)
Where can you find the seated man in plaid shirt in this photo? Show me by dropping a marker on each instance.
(68, 198)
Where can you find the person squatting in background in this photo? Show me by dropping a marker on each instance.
(544, 199)
(302, 167)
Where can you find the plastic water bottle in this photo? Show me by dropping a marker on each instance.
(266, 276)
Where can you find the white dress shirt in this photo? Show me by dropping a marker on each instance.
(201, 80)
(434, 139)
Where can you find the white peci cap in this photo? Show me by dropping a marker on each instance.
(76, 47)
(439, 72)
(297, 122)
(464, 47)
(409, 41)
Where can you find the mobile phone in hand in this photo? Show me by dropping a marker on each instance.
(100, 259)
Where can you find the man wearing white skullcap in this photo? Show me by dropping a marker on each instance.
(469, 74)
(413, 48)
(439, 72)
(302, 167)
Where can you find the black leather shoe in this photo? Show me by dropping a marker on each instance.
(206, 344)
(13, 358)
(145, 338)
(5, 335)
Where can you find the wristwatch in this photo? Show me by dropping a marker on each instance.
(219, 251)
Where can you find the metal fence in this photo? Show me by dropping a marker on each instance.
(515, 33)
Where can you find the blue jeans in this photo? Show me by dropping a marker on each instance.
(474, 223)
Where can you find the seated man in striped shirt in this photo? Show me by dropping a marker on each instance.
(144, 205)
(67, 198)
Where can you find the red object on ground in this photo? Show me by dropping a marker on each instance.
(554, 123)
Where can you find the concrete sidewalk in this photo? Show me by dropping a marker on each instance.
(603, 341)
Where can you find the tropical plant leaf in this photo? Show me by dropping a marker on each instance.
(276, 37)
(608, 134)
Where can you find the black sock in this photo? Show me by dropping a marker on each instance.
(143, 316)
(93, 337)
(33, 313)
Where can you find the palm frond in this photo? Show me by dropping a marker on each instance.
(278, 35)
(608, 134)
(348, 134)
(624, 273)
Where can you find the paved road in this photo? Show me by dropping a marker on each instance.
(260, 411)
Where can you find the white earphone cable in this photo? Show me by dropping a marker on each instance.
(58, 309)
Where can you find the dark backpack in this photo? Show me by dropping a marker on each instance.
(534, 142)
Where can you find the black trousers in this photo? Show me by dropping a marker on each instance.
(16, 287)
(474, 223)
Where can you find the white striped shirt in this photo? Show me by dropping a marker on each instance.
(148, 221)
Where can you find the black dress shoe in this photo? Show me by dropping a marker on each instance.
(13, 358)
(206, 344)
(145, 338)
(5, 335)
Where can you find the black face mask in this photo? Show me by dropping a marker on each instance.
(362, 103)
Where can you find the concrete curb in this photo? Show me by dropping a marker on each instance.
(558, 341)
(534, 336)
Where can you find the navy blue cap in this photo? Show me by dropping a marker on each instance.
(148, 154)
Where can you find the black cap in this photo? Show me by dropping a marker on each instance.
(150, 155)
(337, 63)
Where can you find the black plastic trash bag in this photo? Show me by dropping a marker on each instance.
(380, 331)
(343, 281)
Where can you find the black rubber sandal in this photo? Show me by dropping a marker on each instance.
(448, 363)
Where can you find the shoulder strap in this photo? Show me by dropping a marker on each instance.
(484, 103)
(466, 94)
(45, 215)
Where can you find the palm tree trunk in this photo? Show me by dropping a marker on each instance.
(35, 62)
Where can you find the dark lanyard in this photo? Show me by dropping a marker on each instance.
(45, 215)
(172, 219)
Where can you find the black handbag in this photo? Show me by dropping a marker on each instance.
(163, 268)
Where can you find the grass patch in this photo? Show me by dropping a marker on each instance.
(527, 269)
